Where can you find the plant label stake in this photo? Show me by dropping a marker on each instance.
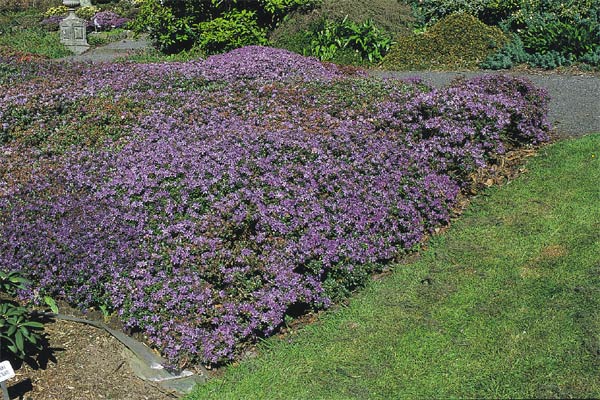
(6, 373)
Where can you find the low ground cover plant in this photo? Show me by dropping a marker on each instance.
(237, 189)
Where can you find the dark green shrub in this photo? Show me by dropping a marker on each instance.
(125, 8)
(592, 58)
(491, 12)
(169, 31)
(214, 25)
(514, 54)
(428, 12)
(456, 41)
(551, 34)
(575, 38)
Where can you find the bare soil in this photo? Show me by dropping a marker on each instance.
(80, 363)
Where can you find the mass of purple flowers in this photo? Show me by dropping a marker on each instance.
(244, 186)
(107, 20)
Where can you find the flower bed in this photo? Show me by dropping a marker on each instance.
(220, 203)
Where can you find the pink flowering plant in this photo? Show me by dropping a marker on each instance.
(220, 194)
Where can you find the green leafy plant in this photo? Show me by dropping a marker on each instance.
(50, 302)
(17, 331)
(297, 29)
(365, 39)
(577, 38)
(233, 30)
(11, 281)
(169, 32)
(280, 8)
(214, 25)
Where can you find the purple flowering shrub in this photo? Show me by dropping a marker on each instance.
(52, 23)
(226, 200)
(107, 20)
(258, 62)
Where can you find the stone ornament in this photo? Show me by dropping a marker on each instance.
(73, 30)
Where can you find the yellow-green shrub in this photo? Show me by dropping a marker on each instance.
(458, 41)
(87, 12)
(59, 10)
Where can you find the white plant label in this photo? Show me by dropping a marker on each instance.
(6, 371)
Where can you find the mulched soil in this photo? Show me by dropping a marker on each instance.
(81, 362)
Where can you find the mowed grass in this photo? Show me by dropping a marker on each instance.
(505, 304)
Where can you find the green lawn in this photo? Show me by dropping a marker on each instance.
(506, 304)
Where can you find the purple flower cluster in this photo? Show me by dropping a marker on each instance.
(53, 22)
(266, 63)
(107, 20)
(252, 182)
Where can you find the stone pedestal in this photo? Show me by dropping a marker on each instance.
(73, 33)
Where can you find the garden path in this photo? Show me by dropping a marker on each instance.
(111, 51)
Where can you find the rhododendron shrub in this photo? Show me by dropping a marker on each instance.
(241, 187)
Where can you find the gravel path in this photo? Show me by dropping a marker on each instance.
(574, 100)
(111, 51)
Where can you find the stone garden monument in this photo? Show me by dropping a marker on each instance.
(73, 30)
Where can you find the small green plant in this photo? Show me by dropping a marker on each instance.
(17, 331)
(50, 302)
(11, 281)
